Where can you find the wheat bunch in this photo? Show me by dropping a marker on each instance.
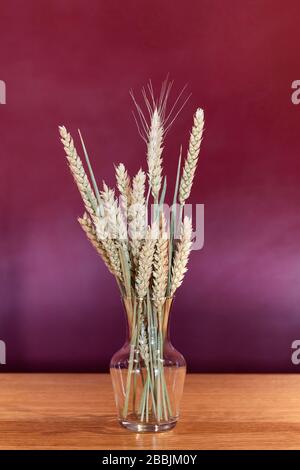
(154, 152)
(192, 157)
(160, 268)
(181, 256)
(137, 215)
(144, 270)
(78, 172)
(152, 264)
(123, 183)
(90, 231)
(104, 221)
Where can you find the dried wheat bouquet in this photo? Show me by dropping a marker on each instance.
(147, 257)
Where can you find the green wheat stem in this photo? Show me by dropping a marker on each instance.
(130, 366)
(161, 365)
(147, 398)
(149, 320)
(173, 221)
(153, 397)
(125, 271)
(143, 400)
(90, 170)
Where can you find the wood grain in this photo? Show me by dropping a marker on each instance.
(76, 411)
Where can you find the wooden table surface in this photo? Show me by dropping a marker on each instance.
(76, 411)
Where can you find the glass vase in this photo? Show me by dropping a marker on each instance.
(148, 373)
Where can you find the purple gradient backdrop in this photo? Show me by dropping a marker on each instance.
(73, 62)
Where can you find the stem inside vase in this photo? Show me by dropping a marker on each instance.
(148, 377)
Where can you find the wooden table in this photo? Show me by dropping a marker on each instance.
(76, 411)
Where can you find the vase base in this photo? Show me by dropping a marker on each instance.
(147, 427)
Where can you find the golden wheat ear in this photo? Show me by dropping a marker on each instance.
(137, 215)
(154, 153)
(191, 161)
(145, 265)
(160, 268)
(182, 254)
(77, 170)
(90, 231)
(123, 184)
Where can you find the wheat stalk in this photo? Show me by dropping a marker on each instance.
(144, 270)
(90, 231)
(110, 211)
(146, 267)
(109, 246)
(190, 164)
(160, 268)
(137, 215)
(121, 225)
(154, 151)
(114, 258)
(181, 257)
(123, 183)
(115, 234)
(77, 170)
(116, 225)
(138, 188)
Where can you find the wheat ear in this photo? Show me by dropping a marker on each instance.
(90, 231)
(109, 246)
(110, 211)
(145, 265)
(137, 215)
(123, 183)
(117, 230)
(78, 172)
(160, 268)
(190, 164)
(181, 256)
(154, 152)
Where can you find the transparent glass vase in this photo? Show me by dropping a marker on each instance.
(148, 373)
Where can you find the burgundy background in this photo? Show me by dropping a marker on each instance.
(73, 62)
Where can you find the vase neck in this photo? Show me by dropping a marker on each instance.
(154, 316)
